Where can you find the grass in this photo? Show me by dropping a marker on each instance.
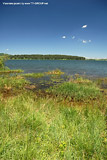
(77, 90)
(44, 128)
(10, 86)
(17, 82)
(11, 71)
(39, 75)
(34, 75)
(55, 72)
(5, 69)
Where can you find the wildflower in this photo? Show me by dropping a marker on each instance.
(105, 140)
(62, 146)
(63, 126)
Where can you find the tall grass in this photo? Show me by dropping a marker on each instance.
(12, 85)
(76, 91)
(2, 58)
(43, 129)
(38, 128)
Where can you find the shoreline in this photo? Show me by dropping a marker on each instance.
(58, 121)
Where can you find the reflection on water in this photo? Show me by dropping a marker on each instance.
(48, 81)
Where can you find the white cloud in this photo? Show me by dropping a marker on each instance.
(73, 37)
(84, 26)
(84, 41)
(7, 49)
(63, 37)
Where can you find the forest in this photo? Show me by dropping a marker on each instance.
(51, 57)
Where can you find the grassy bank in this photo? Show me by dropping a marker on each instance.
(67, 122)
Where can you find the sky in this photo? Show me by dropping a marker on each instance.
(69, 27)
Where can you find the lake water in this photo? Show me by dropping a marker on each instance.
(92, 69)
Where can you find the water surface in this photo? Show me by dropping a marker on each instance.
(88, 68)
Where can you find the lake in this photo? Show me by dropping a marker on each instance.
(89, 68)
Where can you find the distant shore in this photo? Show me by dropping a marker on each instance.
(48, 57)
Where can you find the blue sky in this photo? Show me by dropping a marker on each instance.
(70, 27)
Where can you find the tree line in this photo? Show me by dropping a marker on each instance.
(50, 57)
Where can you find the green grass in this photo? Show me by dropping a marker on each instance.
(34, 75)
(12, 84)
(43, 128)
(10, 71)
(77, 90)
(39, 75)
(39, 129)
